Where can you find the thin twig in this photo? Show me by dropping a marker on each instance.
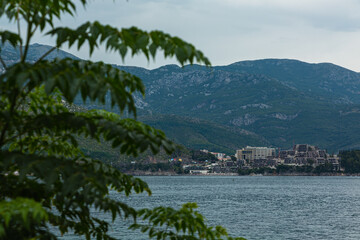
(45, 54)
(19, 32)
(28, 37)
(2, 62)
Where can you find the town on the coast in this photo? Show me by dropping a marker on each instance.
(302, 158)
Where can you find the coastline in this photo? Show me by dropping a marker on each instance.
(148, 173)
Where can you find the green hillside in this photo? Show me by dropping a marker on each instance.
(263, 105)
(280, 101)
(323, 80)
(200, 134)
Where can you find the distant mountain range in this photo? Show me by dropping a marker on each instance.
(284, 101)
(11, 55)
(272, 102)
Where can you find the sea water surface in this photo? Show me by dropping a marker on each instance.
(258, 207)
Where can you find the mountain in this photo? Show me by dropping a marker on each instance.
(276, 102)
(284, 101)
(11, 55)
(324, 80)
(201, 134)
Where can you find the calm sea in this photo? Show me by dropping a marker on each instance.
(259, 207)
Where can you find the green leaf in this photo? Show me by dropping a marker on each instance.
(23, 211)
(128, 38)
(10, 37)
(83, 76)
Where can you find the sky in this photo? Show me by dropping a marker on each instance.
(228, 31)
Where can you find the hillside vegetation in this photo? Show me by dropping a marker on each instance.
(272, 102)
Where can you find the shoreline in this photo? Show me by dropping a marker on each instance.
(143, 173)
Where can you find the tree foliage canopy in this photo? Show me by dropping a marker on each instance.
(45, 178)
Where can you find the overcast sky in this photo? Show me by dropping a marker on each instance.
(233, 30)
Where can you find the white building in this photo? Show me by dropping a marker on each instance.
(219, 156)
(249, 154)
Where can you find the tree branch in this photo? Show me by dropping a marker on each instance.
(28, 37)
(2, 62)
(19, 32)
(45, 54)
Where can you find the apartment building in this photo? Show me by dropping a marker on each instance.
(249, 154)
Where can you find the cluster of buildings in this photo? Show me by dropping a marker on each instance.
(299, 155)
(256, 157)
(303, 154)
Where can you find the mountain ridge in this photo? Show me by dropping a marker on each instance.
(281, 100)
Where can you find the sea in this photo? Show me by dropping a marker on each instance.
(257, 207)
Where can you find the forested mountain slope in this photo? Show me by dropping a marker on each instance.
(278, 102)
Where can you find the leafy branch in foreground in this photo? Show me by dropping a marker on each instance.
(71, 186)
(132, 38)
(185, 223)
(46, 180)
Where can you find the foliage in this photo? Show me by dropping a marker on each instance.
(263, 97)
(45, 178)
(350, 161)
(260, 170)
(324, 168)
(335, 124)
(23, 215)
(186, 221)
(198, 155)
(152, 167)
(135, 168)
(201, 134)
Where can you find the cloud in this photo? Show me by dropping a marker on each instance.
(233, 30)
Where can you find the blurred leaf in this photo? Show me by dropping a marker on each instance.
(134, 39)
